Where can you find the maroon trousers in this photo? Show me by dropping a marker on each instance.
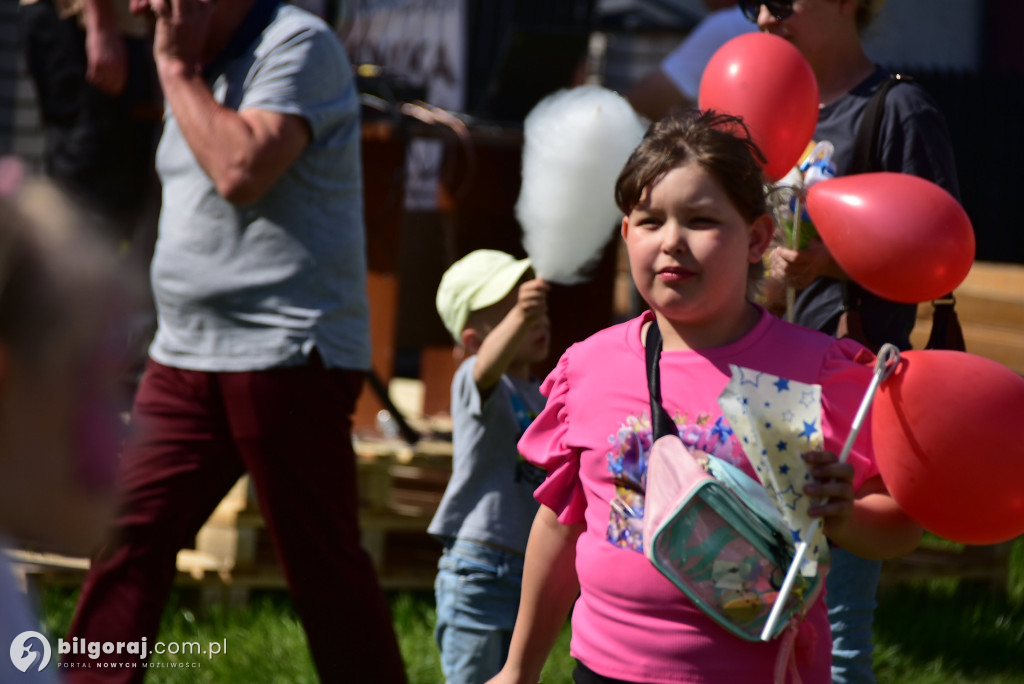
(193, 435)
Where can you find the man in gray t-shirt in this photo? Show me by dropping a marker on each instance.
(262, 342)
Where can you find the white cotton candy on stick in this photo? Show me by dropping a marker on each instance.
(576, 142)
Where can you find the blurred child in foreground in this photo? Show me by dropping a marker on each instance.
(61, 358)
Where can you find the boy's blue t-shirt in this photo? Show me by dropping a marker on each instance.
(489, 497)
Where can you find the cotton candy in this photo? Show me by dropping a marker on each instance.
(576, 142)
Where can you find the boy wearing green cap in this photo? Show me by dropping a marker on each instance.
(493, 308)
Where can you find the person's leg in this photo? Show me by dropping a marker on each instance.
(852, 584)
(292, 427)
(477, 590)
(177, 465)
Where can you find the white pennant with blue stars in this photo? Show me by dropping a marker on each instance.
(776, 420)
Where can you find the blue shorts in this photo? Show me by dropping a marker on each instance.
(477, 592)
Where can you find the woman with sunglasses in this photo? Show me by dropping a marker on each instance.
(913, 138)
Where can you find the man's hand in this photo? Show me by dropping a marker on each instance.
(243, 152)
(107, 59)
(181, 31)
(799, 268)
(105, 50)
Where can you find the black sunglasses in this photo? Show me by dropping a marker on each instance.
(780, 9)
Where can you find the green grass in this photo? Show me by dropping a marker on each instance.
(266, 643)
(926, 632)
(951, 632)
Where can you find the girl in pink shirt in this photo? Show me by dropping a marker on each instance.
(695, 228)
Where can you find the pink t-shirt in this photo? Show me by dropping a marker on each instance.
(630, 622)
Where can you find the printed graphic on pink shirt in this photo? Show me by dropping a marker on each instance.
(627, 461)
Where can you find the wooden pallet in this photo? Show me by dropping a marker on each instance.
(399, 489)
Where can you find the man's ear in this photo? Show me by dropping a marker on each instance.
(471, 340)
(761, 232)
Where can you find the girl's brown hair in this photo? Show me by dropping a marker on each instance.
(719, 143)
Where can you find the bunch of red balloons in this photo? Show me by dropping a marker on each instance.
(902, 237)
(943, 424)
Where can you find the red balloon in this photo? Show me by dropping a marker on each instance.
(900, 236)
(765, 80)
(947, 437)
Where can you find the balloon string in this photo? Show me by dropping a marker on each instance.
(885, 363)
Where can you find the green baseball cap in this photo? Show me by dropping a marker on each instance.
(476, 281)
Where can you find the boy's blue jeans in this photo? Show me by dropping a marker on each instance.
(852, 584)
(477, 592)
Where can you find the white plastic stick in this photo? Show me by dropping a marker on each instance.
(885, 364)
(888, 359)
(787, 587)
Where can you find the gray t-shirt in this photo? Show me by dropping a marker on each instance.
(242, 288)
(489, 497)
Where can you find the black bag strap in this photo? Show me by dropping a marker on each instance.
(865, 159)
(661, 423)
(947, 333)
(865, 145)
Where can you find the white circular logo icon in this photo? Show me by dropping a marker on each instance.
(22, 654)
